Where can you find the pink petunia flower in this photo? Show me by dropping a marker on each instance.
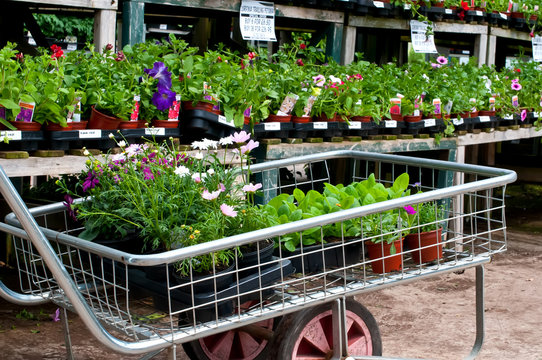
(228, 210)
(251, 187)
(410, 210)
(319, 80)
(516, 86)
(515, 81)
(435, 65)
(442, 60)
(523, 115)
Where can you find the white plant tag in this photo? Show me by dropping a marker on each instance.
(272, 126)
(390, 123)
(378, 4)
(155, 131)
(354, 125)
(222, 119)
(90, 134)
(321, 125)
(484, 118)
(11, 135)
(459, 121)
(430, 122)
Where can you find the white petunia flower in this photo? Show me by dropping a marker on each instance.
(182, 171)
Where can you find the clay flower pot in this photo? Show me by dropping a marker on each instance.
(425, 246)
(132, 124)
(58, 127)
(165, 123)
(79, 125)
(26, 126)
(381, 259)
(98, 120)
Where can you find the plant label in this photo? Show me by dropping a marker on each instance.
(27, 112)
(378, 4)
(423, 40)
(321, 125)
(173, 114)
(429, 122)
(222, 119)
(448, 11)
(90, 134)
(11, 135)
(484, 118)
(390, 123)
(135, 110)
(508, 117)
(354, 125)
(288, 104)
(537, 48)
(272, 126)
(2, 112)
(155, 131)
(437, 105)
(459, 121)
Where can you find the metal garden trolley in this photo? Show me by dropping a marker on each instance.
(280, 304)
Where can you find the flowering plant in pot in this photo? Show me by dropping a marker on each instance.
(156, 94)
(425, 225)
(169, 198)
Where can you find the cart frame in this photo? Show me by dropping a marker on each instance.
(43, 246)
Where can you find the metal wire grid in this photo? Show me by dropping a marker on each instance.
(107, 284)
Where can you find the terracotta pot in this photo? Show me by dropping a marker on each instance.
(132, 124)
(79, 125)
(279, 118)
(57, 127)
(486, 113)
(383, 261)
(464, 115)
(200, 105)
(26, 126)
(425, 246)
(363, 119)
(396, 117)
(323, 118)
(412, 118)
(165, 124)
(301, 119)
(99, 120)
(517, 15)
(473, 114)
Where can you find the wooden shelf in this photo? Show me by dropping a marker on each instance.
(89, 4)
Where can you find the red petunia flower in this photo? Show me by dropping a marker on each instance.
(300, 62)
(517, 70)
(302, 46)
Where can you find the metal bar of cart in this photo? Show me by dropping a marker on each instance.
(103, 284)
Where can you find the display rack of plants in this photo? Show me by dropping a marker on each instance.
(275, 130)
(449, 14)
(21, 140)
(497, 18)
(484, 122)
(462, 123)
(181, 298)
(432, 126)
(198, 124)
(433, 12)
(517, 20)
(90, 138)
(329, 255)
(361, 128)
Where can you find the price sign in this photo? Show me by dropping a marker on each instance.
(479, 13)
(503, 16)
(448, 11)
(320, 125)
(430, 122)
(508, 117)
(257, 20)
(90, 134)
(484, 118)
(274, 126)
(71, 47)
(537, 48)
(354, 125)
(222, 120)
(11, 135)
(155, 131)
(459, 121)
(421, 41)
(378, 4)
(390, 123)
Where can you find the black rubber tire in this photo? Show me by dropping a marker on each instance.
(291, 326)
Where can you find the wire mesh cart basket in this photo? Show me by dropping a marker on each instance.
(274, 303)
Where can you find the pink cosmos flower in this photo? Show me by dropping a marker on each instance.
(221, 187)
(410, 210)
(523, 115)
(210, 195)
(251, 187)
(251, 145)
(516, 86)
(240, 137)
(228, 210)
(442, 60)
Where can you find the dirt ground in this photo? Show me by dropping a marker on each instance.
(433, 318)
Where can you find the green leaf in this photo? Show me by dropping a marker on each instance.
(9, 104)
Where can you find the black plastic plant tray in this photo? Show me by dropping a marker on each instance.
(198, 124)
(385, 127)
(271, 130)
(376, 8)
(346, 4)
(21, 140)
(475, 16)
(463, 124)
(357, 128)
(484, 122)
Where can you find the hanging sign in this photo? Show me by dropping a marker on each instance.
(537, 48)
(257, 20)
(421, 41)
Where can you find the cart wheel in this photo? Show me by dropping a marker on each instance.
(237, 344)
(308, 334)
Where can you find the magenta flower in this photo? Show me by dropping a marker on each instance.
(228, 210)
(251, 187)
(163, 99)
(161, 73)
(147, 174)
(319, 80)
(240, 137)
(515, 81)
(221, 187)
(435, 65)
(90, 182)
(56, 315)
(516, 86)
(210, 195)
(410, 210)
(442, 60)
(523, 115)
(68, 203)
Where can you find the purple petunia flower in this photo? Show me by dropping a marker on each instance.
(516, 86)
(163, 99)
(161, 73)
(90, 182)
(68, 203)
(56, 315)
(410, 210)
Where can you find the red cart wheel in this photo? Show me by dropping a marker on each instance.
(308, 334)
(244, 343)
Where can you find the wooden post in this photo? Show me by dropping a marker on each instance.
(105, 23)
(480, 48)
(133, 22)
(334, 34)
(349, 45)
(491, 49)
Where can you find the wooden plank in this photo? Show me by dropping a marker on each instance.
(90, 4)
(105, 24)
(480, 49)
(381, 23)
(460, 28)
(37, 166)
(491, 49)
(498, 136)
(133, 23)
(509, 33)
(349, 45)
(334, 41)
